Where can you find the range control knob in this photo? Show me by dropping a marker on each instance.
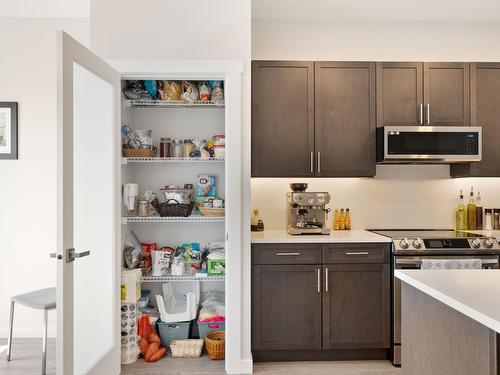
(404, 243)
(475, 243)
(488, 243)
(417, 243)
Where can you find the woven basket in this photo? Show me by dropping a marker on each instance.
(189, 348)
(205, 211)
(174, 209)
(215, 342)
(139, 152)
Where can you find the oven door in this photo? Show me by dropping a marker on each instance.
(430, 144)
(413, 262)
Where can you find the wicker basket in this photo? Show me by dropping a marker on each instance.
(174, 209)
(205, 211)
(190, 348)
(139, 152)
(215, 342)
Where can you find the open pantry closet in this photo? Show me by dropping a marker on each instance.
(180, 144)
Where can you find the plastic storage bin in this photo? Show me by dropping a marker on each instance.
(206, 327)
(173, 331)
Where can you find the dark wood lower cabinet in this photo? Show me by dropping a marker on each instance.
(356, 306)
(321, 311)
(286, 312)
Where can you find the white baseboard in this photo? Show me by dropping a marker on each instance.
(27, 332)
(244, 366)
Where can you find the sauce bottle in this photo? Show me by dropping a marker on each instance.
(336, 220)
(347, 219)
(342, 219)
(471, 212)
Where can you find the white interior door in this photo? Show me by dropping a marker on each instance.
(88, 335)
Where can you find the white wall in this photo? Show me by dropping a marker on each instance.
(400, 196)
(28, 185)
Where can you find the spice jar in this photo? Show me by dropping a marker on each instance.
(496, 218)
(165, 147)
(187, 147)
(176, 148)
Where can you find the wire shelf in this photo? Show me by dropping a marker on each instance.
(163, 279)
(170, 160)
(173, 219)
(173, 104)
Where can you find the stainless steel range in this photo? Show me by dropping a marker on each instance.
(410, 247)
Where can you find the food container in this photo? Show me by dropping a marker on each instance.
(144, 300)
(143, 209)
(219, 139)
(186, 348)
(496, 218)
(165, 144)
(219, 151)
(176, 148)
(206, 327)
(187, 147)
(216, 267)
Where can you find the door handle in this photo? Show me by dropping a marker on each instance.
(319, 280)
(72, 255)
(312, 162)
(319, 161)
(421, 114)
(326, 280)
(55, 255)
(428, 114)
(287, 254)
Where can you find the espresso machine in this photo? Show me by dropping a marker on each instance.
(306, 212)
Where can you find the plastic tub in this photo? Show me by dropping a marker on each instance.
(207, 327)
(173, 331)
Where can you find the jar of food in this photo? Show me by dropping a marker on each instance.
(176, 148)
(143, 209)
(165, 147)
(219, 151)
(188, 146)
(219, 139)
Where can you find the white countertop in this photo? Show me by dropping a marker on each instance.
(342, 236)
(474, 293)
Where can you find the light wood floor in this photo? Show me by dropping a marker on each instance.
(26, 360)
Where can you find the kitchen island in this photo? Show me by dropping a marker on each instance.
(450, 321)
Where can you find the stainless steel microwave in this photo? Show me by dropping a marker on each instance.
(429, 144)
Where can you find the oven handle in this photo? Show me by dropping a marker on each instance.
(417, 262)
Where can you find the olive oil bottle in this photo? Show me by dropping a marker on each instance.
(461, 216)
(471, 211)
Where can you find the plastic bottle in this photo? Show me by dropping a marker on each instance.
(471, 212)
(461, 215)
(342, 219)
(347, 219)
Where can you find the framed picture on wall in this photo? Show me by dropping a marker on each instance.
(8, 130)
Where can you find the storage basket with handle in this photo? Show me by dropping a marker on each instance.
(215, 342)
(139, 152)
(174, 209)
(190, 348)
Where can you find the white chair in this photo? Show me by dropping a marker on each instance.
(43, 299)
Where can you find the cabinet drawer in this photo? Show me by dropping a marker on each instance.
(356, 253)
(286, 254)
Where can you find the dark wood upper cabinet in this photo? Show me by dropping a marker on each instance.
(356, 306)
(282, 118)
(446, 93)
(286, 307)
(400, 93)
(485, 112)
(345, 119)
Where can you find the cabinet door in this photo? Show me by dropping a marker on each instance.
(286, 307)
(345, 119)
(282, 118)
(485, 112)
(446, 93)
(399, 93)
(356, 306)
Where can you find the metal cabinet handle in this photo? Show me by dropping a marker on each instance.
(428, 114)
(326, 280)
(312, 162)
(319, 161)
(319, 280)
(358, 253)
(287, 254)
(421, 114)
